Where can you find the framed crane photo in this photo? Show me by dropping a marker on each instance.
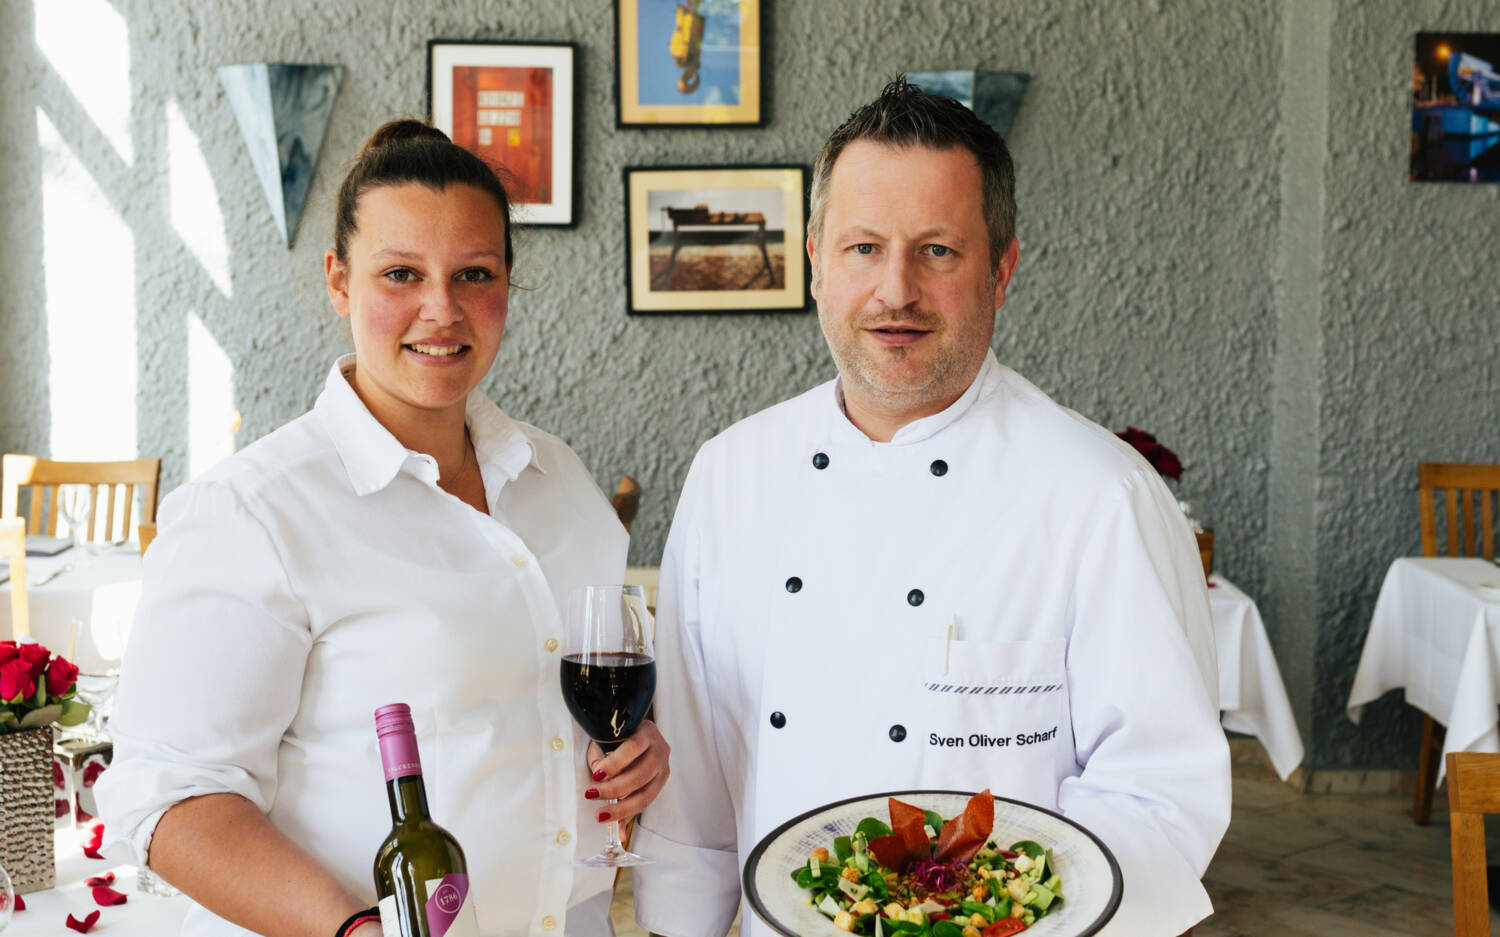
(512, 105)
(688, 63)
(716, 239)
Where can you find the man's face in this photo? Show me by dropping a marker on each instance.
(906, 295)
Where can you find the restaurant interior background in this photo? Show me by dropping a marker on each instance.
(1219, 244)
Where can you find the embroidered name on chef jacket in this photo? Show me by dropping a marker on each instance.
(981, 740)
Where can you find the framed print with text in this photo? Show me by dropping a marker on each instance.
(716, 239)
(688, 63)
(511, 103)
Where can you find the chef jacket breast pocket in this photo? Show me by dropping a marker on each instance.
(992, 702)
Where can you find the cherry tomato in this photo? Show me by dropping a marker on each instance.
(1004, 926)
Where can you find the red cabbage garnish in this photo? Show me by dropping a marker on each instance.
(935, 876)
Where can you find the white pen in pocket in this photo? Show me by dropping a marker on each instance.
(949, 634)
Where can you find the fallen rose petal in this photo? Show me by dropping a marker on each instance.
(92, 852)
(104, 896)
(85, 925)
(96, 838)
(108, 878)
(20, 903)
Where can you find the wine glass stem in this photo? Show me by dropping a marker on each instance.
(613, 845)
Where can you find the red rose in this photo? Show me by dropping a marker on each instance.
(61, 675)
(16, 679)
(36, 656)
(8, 652)
(1162, 459)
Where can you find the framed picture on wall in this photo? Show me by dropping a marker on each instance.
(685, 63)
(511, 103)
(716, 239)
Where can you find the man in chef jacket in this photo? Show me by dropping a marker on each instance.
(926, 574)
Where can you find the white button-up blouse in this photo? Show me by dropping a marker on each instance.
(320, 573)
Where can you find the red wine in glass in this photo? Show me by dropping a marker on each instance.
(608, 693)
(608, 676)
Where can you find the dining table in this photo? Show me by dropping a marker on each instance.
(143, 914)
(1252, 695)
(81, 601)
(1435, 633)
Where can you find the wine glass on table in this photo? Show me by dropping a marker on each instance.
(608, 679)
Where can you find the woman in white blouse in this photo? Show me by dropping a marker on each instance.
(405, 541)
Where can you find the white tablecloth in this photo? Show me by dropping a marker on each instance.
(100, 593)
(141, 915)
(1251, 693)
(1436, 633)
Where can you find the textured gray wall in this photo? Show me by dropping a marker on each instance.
(1177, 187)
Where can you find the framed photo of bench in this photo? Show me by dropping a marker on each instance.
(716, 239)
(512, 105)
(688, 63)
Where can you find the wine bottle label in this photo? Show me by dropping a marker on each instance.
(450, 910)
(390, 919)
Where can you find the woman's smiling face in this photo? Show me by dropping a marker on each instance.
(426, 290)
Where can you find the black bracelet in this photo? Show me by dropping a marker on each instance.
(356, 919)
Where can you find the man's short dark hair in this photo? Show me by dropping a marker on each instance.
(905, 115)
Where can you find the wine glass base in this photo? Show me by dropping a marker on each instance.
(614, 859)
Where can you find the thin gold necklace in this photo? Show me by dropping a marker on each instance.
(461, 466)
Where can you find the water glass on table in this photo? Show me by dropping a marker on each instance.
(608, 679)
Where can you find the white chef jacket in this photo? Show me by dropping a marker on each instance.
(320, 573)
(807, 591)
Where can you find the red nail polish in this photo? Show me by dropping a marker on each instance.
(604, 816)
(591, 794)
(598, 775)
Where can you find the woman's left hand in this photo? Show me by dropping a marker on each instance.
(634, 773)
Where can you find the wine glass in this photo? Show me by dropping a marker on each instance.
(74, 504)
(608, 679)
(7, 899)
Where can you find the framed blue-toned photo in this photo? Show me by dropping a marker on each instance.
(687, 63)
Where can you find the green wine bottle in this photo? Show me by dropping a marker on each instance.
(420, 874)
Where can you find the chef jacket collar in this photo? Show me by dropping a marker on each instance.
(373, 457)
(985, 382)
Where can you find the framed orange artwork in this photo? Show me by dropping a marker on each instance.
(512, 104)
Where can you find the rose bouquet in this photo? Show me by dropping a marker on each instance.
(37, 688)
(1162, 459)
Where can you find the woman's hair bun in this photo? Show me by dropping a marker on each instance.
(397, 131)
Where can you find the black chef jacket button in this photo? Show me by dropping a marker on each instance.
(777, 720)
(914, 597)
(820, 460)
(939, 467)
(794, 584)
(898, 733)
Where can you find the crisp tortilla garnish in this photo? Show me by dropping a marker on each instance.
(908, 842)
(965, 834)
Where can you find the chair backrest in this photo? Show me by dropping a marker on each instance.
(13, 548)
(41, 477)
(627, 500)
(1470, 493)
(147, 532)
(1473, 791)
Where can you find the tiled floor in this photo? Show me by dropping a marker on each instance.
(1307, 865)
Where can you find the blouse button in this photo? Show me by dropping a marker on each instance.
(939, 467)
(520, 561)
(550, 644)
(549, 922)
(777, 720)
(898, 732)
(563, 837)
(915, 597)
(820, 460)
(557, 744)
(794, 585)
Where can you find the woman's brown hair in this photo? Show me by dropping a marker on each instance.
(410, 151)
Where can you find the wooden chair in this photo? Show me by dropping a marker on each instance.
(42, 477)
(147, 531)
(627, 500)
(13, 548)
(1473, 791)
(1469, 494)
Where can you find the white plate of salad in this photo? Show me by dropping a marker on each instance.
(932, 864)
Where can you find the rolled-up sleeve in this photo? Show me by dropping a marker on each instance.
(213, 667)
(1155, 784)
(692, 888)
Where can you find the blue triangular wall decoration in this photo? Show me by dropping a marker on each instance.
(283, 113)
(994, 97)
